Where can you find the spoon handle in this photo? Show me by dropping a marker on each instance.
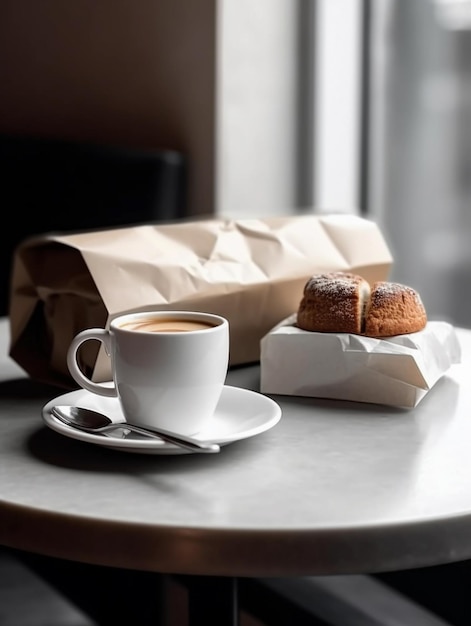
(179, 440)
(76, 417)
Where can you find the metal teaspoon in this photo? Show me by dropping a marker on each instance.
(91, 421)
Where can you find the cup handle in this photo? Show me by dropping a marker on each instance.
(102, 335)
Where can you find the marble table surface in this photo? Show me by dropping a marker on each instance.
(333, 488)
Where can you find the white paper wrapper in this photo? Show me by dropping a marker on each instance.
(397, 371)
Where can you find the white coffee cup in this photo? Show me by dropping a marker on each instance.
(168, 367)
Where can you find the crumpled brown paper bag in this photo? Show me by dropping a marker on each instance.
(251, 271)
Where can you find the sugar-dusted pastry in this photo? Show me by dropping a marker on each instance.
(342, 302)
(334, 302)
(393, 309)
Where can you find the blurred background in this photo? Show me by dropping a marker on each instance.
(113, 113)
(419, 173)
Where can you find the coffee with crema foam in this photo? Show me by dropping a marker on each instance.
(154, 325)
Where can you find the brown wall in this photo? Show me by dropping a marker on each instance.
(138, 73)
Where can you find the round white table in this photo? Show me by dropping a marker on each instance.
(333, 488)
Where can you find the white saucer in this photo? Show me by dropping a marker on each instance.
(240, 414)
